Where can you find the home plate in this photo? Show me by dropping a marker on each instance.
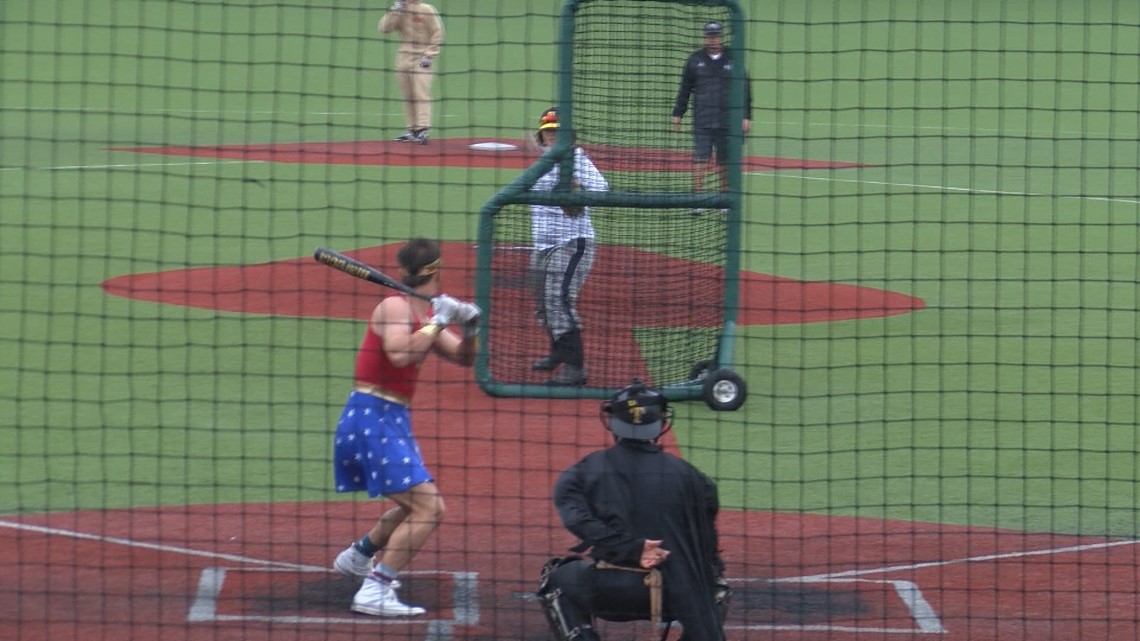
(492, 146)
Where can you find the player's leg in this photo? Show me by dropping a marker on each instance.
(404, 77)
(424, 506)
(566, 591)
(421, 103)
(356, 560)
(394, 467)
(377, 595)
(351, 449)
(720, 142)
(537, 275)
(573, 263)
(620, 595)
(348, 473)
(702, 157)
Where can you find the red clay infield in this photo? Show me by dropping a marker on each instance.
(456, 152)
(303, 287)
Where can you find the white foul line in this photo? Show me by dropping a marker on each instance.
(972, 190)
(970, 559)
(130, 165)
(158, 547)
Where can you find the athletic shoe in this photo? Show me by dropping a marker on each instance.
(407, 136)
(379, 599)
(545, 364)
(352, 562)
(422, 137)
(570, 375)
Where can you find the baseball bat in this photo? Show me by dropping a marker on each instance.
(354, 267)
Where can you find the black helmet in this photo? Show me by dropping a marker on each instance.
(637, 413)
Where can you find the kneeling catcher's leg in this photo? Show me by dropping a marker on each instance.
(565, 626)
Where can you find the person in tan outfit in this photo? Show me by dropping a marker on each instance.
(421, 34)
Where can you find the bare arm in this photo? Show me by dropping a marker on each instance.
(457, 349)
(392, 320)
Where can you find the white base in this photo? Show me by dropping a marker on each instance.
(492, 146)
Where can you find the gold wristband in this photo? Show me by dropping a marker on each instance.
(431, 329)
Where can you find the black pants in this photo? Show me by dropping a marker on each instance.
(587, 592)
(621, 595)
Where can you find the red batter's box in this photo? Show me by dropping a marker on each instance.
(831, 605)
(316, 596)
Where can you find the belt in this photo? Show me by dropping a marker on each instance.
(382, 393)
(652, 581)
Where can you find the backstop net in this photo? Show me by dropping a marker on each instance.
(663, 285)
(937, 313)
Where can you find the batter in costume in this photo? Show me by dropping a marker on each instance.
(375, 449)
(421, 34)
(648, 520)
(706, 79)
(564, 251)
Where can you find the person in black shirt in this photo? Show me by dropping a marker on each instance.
(648, 521)
(706, 79)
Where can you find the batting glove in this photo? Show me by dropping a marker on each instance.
(444, 310)
(471, 329)
(398, 5)
(425, 62)
(468, 312)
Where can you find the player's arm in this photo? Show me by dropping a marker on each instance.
(460, 344)
(459, 348)
(392, 321)
(688, 81)
(747, 125)
(587, 176)
(392, 18)
(435, 37)
(608, 543)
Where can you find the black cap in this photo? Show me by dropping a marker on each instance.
(712, 28)
(637, 413)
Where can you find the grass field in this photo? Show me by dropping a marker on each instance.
(1001, 188)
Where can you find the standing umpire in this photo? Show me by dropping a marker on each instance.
(707, 78)
(648, 520)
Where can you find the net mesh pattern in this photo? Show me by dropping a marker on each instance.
(627, 63)
(651, 307)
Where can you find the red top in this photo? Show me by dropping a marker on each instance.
(374, 368)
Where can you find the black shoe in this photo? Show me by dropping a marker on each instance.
(407, 136)
(422, 136)
(546, 364)
(570, 375)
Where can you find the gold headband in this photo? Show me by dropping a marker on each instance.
(427, 269)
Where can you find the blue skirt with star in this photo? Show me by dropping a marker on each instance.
(374, 449)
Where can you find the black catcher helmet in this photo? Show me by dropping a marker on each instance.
(637, 413)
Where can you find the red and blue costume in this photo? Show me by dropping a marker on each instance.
(374, 448)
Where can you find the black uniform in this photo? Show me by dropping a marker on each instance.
(707, 82)
(615, 499)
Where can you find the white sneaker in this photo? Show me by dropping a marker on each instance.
(380, 600)
(352, 562)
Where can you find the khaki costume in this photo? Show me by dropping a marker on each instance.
(421, 34)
